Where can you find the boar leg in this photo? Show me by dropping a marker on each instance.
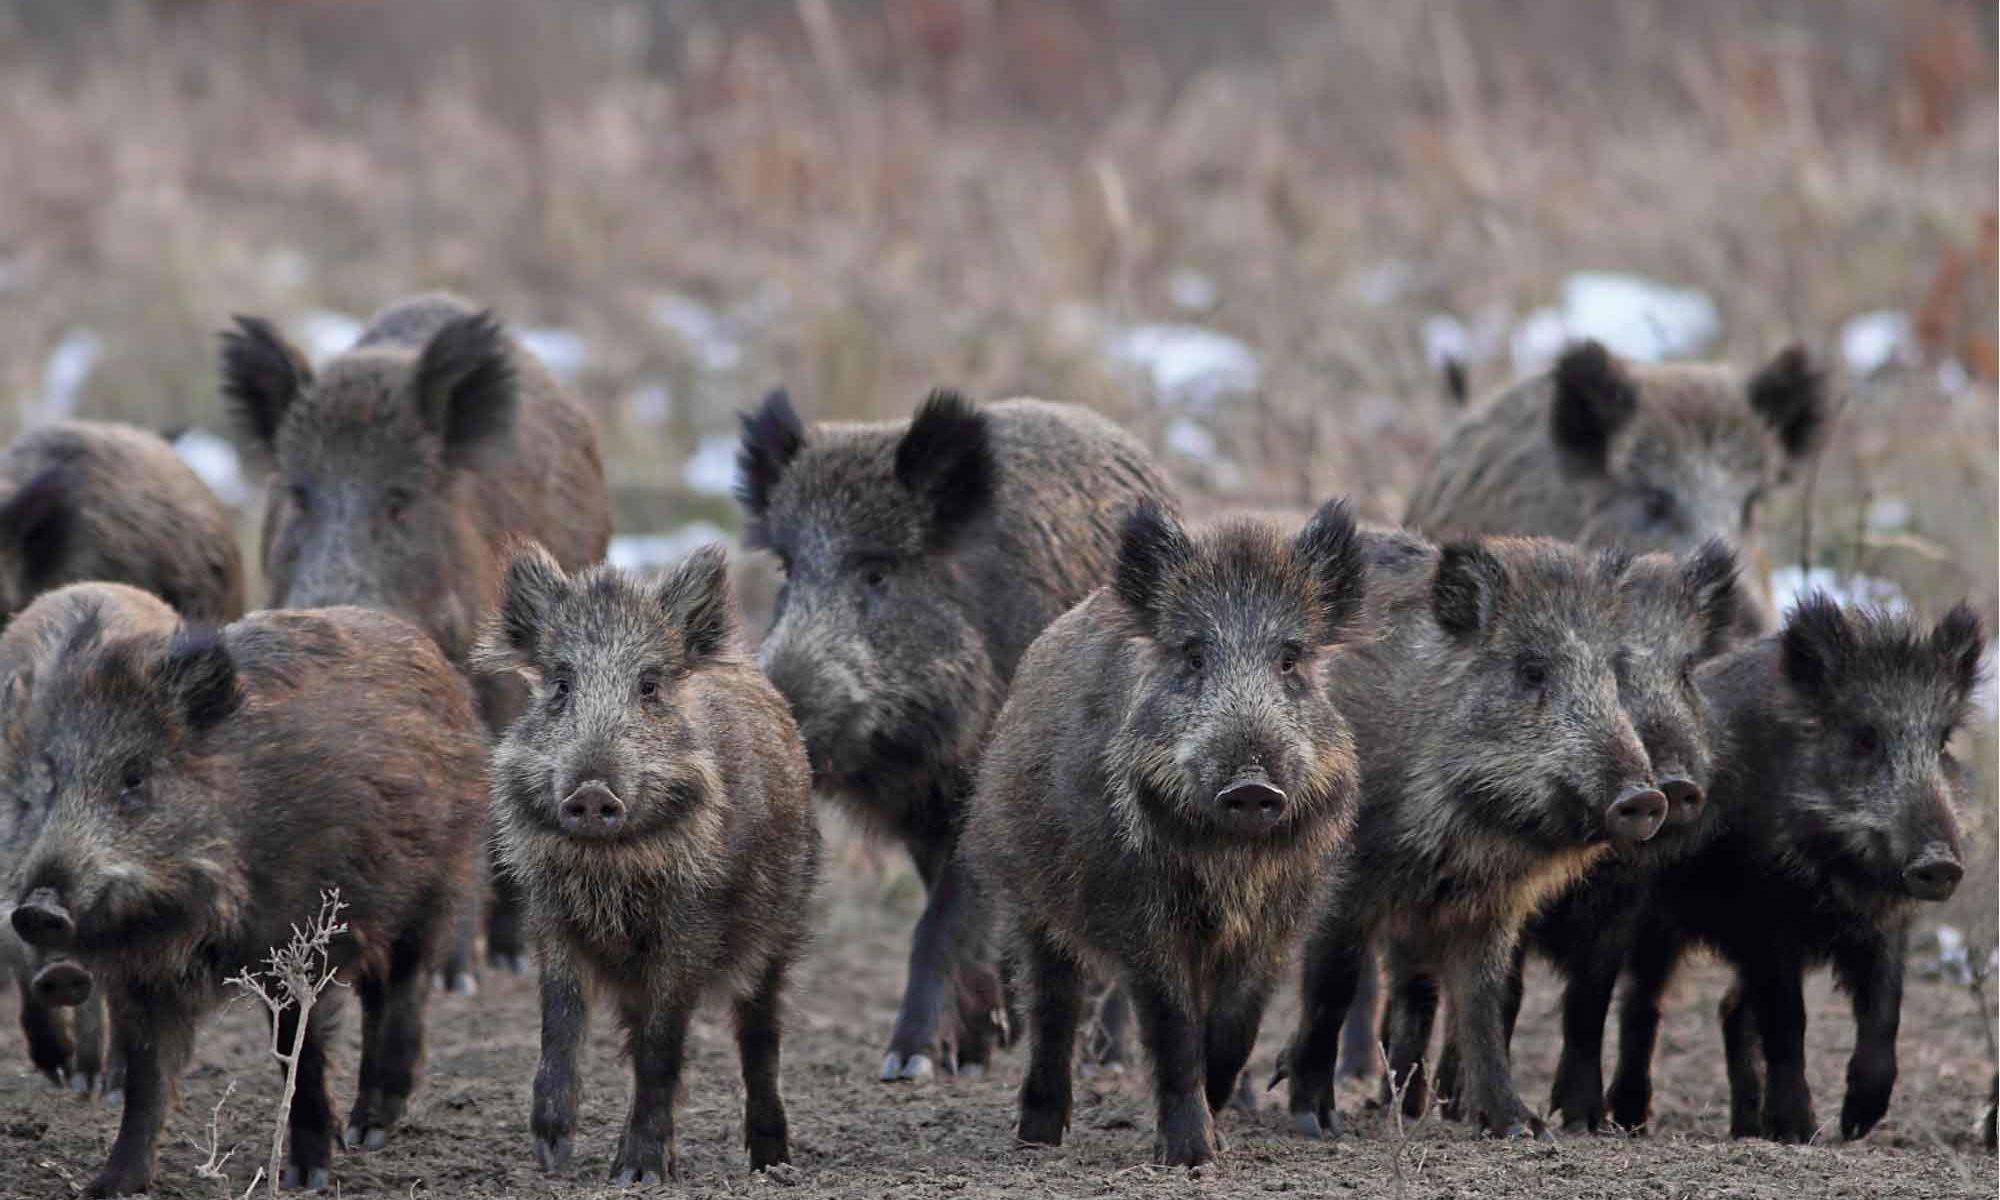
(1477, 981)
(1739, 1052)
(1055, 998)
(309, 1158)
(1335, 958)
(647, 1151)
(504, 946)
(1777, 992)
(1360, 1052)
(1872, 972)
(155, 1032)
(757, 1035)
(1578, 1092)
(933, 955)
(392, 1044)
(558, 1087)
(1413, 1002)
(1231, 1032)
(87, 1024)
(1173, 1032)
(1656, 951)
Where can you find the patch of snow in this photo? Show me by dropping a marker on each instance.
(562, 351)
(1889, 514)
(649, 551)
(1637, 318)
(1537, 340)
(1875, 340)
(711, 469)
(323, 333)
(1789, 585)
(216, 461)
(287, 267)
(1953, 379)
(1382, 284)
(1188, 364)
(651, 404)
(1445, 338)
(64, 375)
(1192, 440)
(1192, 291)
(705, 332)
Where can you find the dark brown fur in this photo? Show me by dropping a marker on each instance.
(89, 500)
(1100, 818)
(1639, 456)
(644, 691)
(191, 796)
(922, 558)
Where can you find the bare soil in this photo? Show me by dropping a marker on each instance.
(466, 1131)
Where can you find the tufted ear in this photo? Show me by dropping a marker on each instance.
(700, 603)
(773, 435)
(528, 593)
(1960, 642)
(1151, 547)
(946, 459)
(1594, 398)
(1331, 549)
(37, 523)
(262, 374)
(198, 677)
(464, 386)
(1709, 575)
(1816, 645)
(1468, 590)
(1789, 392)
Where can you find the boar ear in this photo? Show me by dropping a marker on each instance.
(1709, 575)
(1151, 546)
(262, 374)
(1960, 640)
(946, 458)
(1816, 644)
(37, 521)
(199, 677)
(1789, 392)
(464, 386)
(1331, 549)
(528, 592)
(1467, 591)
(700, 602)
(773, 435)
(1594, 397)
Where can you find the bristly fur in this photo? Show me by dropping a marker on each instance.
(773, 435)
(1593, 398)
(199, 674)
(1332, 546)
(262, 374)
(1790, 393)
(1468, 589)
(41, 521)
(1711, 579)
(464, 385)
(698, 598)
(946, 456)
(528, 590)
(1151, 546)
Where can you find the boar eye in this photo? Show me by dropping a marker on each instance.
(1865, 741)
(1193, 657)
(132, 782)
(1944, 739)
(558, 692)
(1288, 660)
(1659, 507)
(1532, 673)
(396, 503)
(649, 686)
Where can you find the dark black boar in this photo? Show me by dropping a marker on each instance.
(188, 796)
(921, 558)
(655, 803)
(89, 500)
(67, 1047)
(401, 470)
(1639, 456)
(1161, 790)
(1836, 794)
(1497, 765)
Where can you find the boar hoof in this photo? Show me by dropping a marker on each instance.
(646, 1174)
(82, 1084)
(916, 1067)
(972, 1071)
(115, 1182)
(458, 983)
(511, 961)
(1316, 1125)
(113, 1097)
(1042, 1126)
(312, 1180)
(372, 1138)
(553, 1155)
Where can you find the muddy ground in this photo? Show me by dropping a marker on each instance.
(466, 1131)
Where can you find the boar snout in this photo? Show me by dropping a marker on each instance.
(1933, 874)
(1636, 814)
(593, 810)
(1684, 799)
(42, 921)
(61, 984)
(1251, 804)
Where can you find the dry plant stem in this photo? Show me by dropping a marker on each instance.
(212, 1167)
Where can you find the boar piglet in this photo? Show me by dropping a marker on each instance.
(654, 802)
(67, 1047)
(1162, 788)
(400, 471)
(1836, 793)
(1641, 456)
(92, 500)
(921, 558)
(1674, 614)
(189, 796)
(1497, 764)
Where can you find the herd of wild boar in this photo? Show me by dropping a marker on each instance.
(1137, 762)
